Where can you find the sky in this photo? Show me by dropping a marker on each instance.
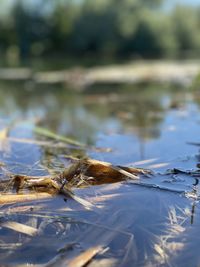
(188, 2)
(193, 2)
(6, 4)
(169, 4)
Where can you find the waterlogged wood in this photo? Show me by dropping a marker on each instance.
(16, 198)
(21, 228)
(82, 259)
(111, 262)
(62, 259)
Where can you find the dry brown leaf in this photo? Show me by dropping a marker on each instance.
(81, 173)
(101, 172)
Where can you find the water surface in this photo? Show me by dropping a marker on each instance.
(149, 126)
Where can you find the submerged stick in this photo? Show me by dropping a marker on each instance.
(80, 200)
(16, 198)
(48, 185)
(21, 228)
(82, 259)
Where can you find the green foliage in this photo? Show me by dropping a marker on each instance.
(108, 28)
(186, 23)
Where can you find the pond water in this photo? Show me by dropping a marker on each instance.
(152, 223)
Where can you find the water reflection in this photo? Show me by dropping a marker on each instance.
(143, 228)
(140, 226)
(142, 120)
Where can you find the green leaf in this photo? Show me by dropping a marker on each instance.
(50, 134)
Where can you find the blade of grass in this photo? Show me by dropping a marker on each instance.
(50, 134)
(81, 201)
(36, 142)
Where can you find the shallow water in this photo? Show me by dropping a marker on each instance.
(146, 126)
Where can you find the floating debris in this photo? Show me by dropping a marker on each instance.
(82, 173)
(19, 227)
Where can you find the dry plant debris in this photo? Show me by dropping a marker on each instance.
(13, 198)
(21, 228)
(85, 257)
(81, 173)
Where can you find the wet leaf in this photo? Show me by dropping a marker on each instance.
(101, 172)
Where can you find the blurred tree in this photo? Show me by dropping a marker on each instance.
(62, 22)
(104, 28)
(95, 33)
(31, 29)
(186, 23)
(154, 37)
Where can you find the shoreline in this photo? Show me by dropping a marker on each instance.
(178, 73)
